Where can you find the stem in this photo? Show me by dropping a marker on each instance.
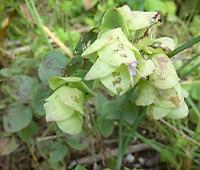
(132, 131)
(185, 46)
(120, 139)
(188, 62)
(31, 6)
(191, 70)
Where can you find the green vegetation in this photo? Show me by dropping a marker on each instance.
(92, 84)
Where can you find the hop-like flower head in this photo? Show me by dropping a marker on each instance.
(117, 63)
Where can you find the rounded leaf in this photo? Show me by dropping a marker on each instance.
(22, 87)
(17, 118)
(53, 65)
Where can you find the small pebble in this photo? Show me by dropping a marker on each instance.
(130, 158)
(144, 131)
(141, 160)
(137, 165)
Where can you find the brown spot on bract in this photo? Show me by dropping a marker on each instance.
(176, 101)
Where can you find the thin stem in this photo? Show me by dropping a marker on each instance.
(31, 6)
(120, 140)
(185, 46)
(194, 107)
(132, 131)
(190, 71)
(188, 62)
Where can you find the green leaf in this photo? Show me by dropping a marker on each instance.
(38, 99)
(113, 19)
(22, 88)
(54, 64)
(165, 7)
(58, 152)
(17, 117)
(87, 39)
(194, 91)
(72, 125)
(78, 142)
(7, 146)
(6, 72)
(147, 94)
(56, 82)
(105, 126)
(27, 133)
(118, 82)
(79, 167)
(164, 76)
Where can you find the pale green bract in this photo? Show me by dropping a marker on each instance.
(123, 55)
(65, 106)
(164, 76)
(168, 102)
(137, 20)
(119, 65)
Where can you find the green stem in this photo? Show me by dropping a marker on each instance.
(120, 140)
(185, 46)
(31, 6)
(188, 62)
(194, 107)
(132, 131)
(190, 71)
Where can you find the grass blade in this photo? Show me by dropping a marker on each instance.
(185, 46)
(188, 62)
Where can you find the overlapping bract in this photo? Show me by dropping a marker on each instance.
(123, 55)
(65, 107)
(163, 93)
(118, 62)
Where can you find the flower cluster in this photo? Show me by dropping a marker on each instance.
(124, 54)
(162, 93)
(120, 64)
(65, 105)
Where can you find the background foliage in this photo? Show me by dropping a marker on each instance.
(28, 58)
